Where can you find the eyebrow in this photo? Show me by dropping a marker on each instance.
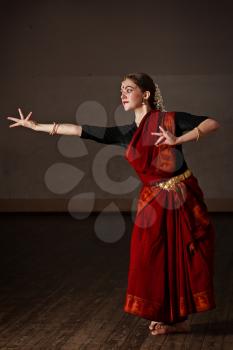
(128, 86)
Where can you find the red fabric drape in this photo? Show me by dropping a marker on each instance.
(172, 243)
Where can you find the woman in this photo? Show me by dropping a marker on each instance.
(172, 246)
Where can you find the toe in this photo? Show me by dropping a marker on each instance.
(152, 325)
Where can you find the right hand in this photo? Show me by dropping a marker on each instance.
(166, 137)
(23, 121)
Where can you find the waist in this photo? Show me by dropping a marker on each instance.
(169, 184)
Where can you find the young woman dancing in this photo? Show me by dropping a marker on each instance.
(172, 244)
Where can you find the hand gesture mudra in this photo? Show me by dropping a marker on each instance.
(23, 121)
(166, 137)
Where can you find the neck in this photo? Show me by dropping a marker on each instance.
(140, 112)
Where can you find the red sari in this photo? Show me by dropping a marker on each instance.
(172, 245)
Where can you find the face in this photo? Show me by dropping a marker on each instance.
(131, 95)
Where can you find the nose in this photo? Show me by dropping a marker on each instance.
(123, 95)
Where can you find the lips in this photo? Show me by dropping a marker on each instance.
(124, 102)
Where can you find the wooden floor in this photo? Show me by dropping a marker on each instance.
(63, 288)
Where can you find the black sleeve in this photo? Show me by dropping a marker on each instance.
(120, 135)
(186, 121)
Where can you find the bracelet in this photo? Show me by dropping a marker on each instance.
(198, 133)
(51, 132)
(54, 129)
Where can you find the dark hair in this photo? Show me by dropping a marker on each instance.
(146, 83)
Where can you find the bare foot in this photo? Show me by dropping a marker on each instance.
(181, 327)
(153, 324)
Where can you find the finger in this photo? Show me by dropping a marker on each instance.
(161, 143)
(162, 129)
(28, 116)
(20, 113)
(159, 140)
(156, 133)
(13, 125)
(14, 119)
(164, 142)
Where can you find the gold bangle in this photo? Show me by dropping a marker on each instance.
(56, 128)
(52, 132)
(198, 133)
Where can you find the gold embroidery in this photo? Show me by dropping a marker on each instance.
(166, 157)
(203, 301)
(146, 196)
(149, 192)
(139, 306)
(170, 183)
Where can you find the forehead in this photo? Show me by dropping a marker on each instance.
(127, 82)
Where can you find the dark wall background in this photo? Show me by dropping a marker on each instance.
(64, 60)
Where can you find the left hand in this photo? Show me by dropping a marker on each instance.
(166, 137)
(23, 121)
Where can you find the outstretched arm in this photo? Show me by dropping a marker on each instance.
(109, 135)
(119, 135)
(61, 129)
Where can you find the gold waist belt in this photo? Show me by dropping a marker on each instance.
(169, 184)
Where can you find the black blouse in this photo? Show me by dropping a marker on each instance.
(122, 135)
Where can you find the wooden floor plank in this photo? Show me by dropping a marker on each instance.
(98, 324)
